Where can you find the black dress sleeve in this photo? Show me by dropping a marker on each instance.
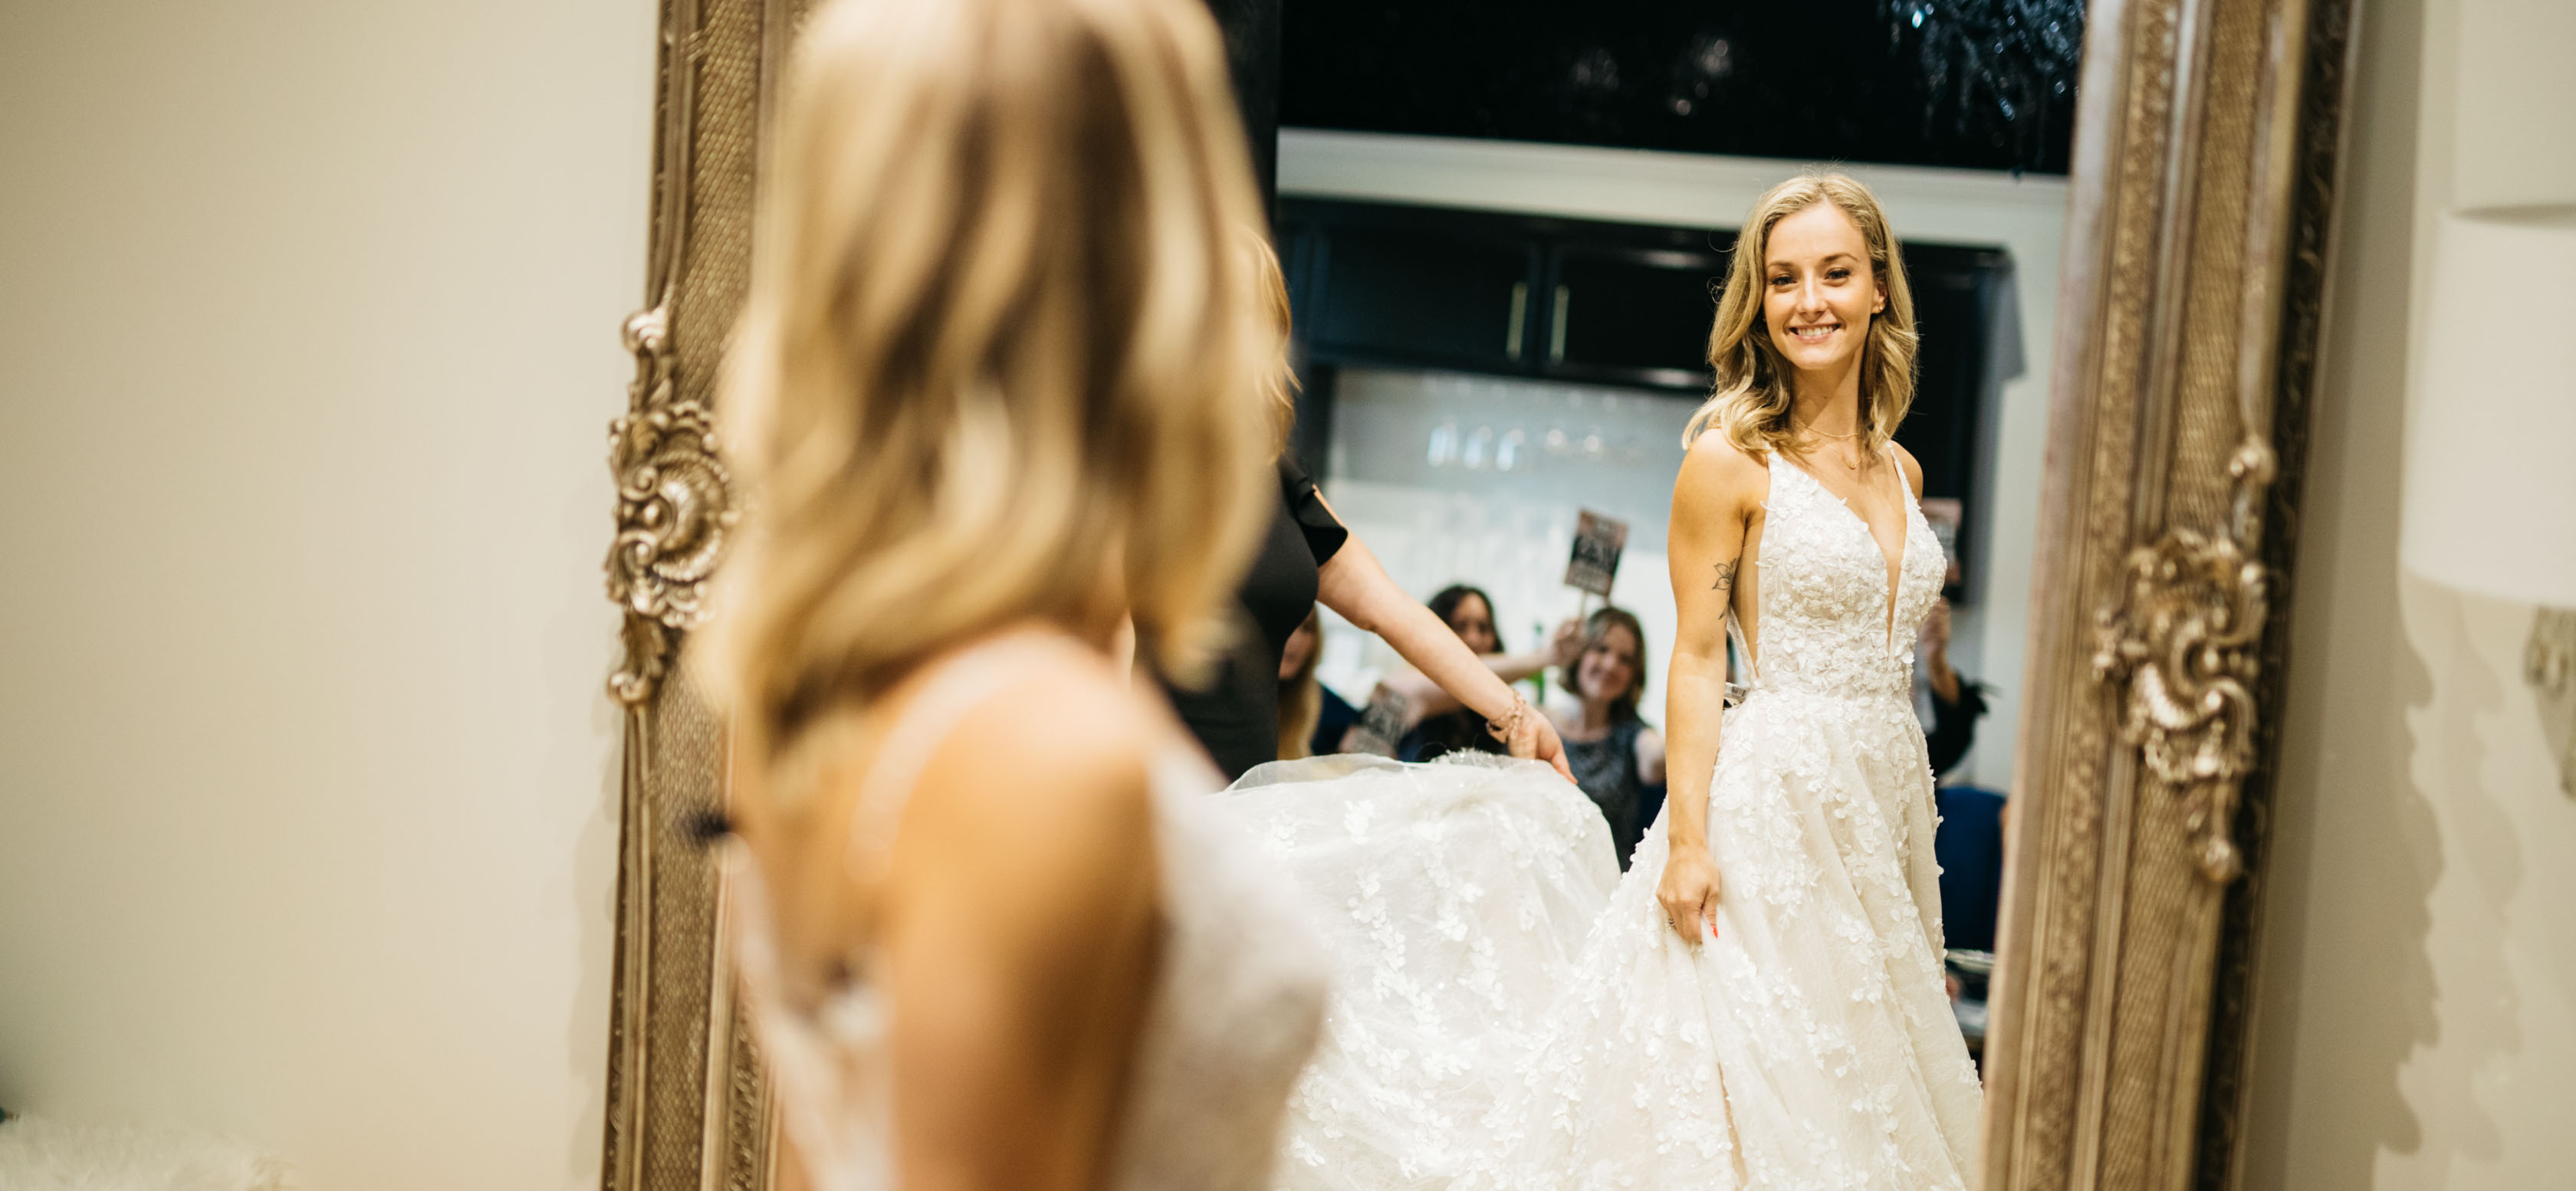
(1324, 533)
(1236, 717)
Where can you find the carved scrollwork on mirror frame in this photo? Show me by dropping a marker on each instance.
(687, 1104)
(2184, 644)
(2549, 667)
(675, 511)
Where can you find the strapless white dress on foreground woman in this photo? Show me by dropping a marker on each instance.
(1236, 1001)
(1511, 1014)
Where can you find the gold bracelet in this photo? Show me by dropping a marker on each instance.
(1511, 720)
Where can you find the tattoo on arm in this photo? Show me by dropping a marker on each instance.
(1725, 577)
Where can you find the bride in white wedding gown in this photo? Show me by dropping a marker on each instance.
(1759, 1002)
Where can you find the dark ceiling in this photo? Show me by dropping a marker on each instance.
(1986, 84)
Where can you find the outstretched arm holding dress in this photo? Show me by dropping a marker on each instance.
(1354, 585)
(1562, 648)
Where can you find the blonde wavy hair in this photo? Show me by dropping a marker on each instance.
(1754, 393)
(1003, 357)
(1279, 380)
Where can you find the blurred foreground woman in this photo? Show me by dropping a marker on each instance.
(999, 390)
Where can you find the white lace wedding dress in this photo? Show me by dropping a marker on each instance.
(1512, 1014)
(1236, 1006)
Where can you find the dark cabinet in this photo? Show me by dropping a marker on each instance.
(1953, 291)
(1397, 286)
(1418, 296)
(1631, 315)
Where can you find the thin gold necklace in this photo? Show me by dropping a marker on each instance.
(1854, 465)
(1810, 428)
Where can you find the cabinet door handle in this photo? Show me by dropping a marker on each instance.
(1556, 328)
(1520, 315)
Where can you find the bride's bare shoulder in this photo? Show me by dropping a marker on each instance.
(1065, 729)
(1047, 764)
(1719, 477)
(1039, 778)
(1913, 470)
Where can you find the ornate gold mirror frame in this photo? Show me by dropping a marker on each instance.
(2209, 140)
(2208, 143)
(687, 1104)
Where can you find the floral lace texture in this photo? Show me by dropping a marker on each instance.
(1512, 1015)
(1454, 896)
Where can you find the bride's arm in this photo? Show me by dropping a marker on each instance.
(1716, 490)
(1354, 585)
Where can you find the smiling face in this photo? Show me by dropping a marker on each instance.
(1474, 624)
(1608, 668)
(1819, 291)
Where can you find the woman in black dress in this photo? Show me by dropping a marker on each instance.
(1310, 556)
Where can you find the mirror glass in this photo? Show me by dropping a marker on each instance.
(1504, 227)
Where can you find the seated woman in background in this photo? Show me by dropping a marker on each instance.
(1443, 726)
(1956, 702)
(1616, 757)
(1312, 719)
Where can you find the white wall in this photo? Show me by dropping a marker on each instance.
(308, 320)
(2416, 1021)
(1506, 530)
(2025, 216)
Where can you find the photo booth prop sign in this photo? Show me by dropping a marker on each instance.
(1597, 543)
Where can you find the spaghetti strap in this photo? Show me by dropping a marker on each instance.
(1733, 691)
(960, 683)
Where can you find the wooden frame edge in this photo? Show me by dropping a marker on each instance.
(687, 1102)
(2209, 142)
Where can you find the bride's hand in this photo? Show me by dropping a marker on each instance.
(1688, 893)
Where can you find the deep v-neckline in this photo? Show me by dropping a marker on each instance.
(1904, 533)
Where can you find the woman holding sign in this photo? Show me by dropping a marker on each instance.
(1759, 1002)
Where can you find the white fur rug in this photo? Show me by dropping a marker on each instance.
(40, 1155)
